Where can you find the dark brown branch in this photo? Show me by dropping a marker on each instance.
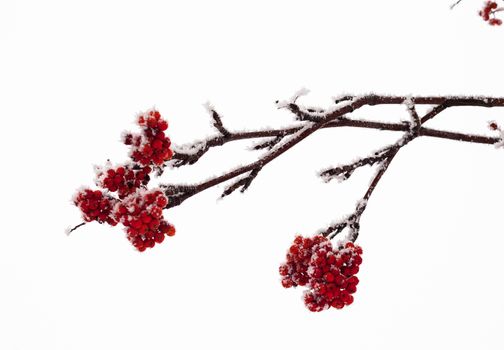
(385, 157)
(182, 157)
(280, 149)
(336, 117)
(435, 111)
(343, 99)
(353, 220)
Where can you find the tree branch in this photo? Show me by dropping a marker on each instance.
(244, 183)
(190, 155)
(279, 141)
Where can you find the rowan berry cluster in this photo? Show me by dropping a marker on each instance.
(142, 214)
(139, 210)
(329, 273)
(152, 146)
(489, 9)
(95, 206)
(125, 179)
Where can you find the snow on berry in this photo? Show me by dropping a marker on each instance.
(329, 273)
(142, 215)
(152, 146)
(95, 206)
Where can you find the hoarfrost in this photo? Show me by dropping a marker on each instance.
(285, 103)
(209, 107)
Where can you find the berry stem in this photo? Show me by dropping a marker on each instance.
(75, 228)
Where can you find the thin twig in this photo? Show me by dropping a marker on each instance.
(74, 228)
(452, 6)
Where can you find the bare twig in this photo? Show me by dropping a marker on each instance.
(70, 230)
(452, 6)
(217, 121)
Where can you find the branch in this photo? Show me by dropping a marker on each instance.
(334, 118)
(343, 172)
(353, 220)
(190, 155)
(244, 183)
(217, 121)
(269, 144)
(385, 157)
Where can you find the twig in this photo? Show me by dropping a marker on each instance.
(244, 183)
(70, 230)
(385, 157)
(452, 6)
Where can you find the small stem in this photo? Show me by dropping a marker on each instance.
(452, 6)
(75, 228)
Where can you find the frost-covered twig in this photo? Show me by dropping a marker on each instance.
(217, 121)
(244, 183)
(343, 172)
(352, 221)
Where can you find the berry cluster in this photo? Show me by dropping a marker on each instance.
(490, 8)
(125, 179)
(95, 206)
(142, 214)
(152, 146)
(139, 210)
(329, 273)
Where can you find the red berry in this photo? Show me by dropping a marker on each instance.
(162, 201)
(162, 125)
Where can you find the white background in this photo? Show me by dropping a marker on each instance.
(73, 75)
